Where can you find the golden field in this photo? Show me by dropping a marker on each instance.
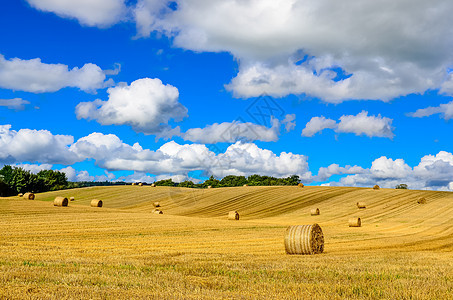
(403, 250)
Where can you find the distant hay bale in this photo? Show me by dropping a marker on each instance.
(376, 187)
(209, 186)
(233, 215)
(301, 185)
(314, 212)
(20, 195)
(96, 203)
(140, 184)
(153, 185)
(304, 239)
(156, 204)
(421, 200)
(245, 185)
(60, 201)
(361, 204)
(133, 183)
(157, 211)
(355, 222)
(71, 199)
(29, 196)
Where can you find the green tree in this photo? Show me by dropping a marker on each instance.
(401, 186)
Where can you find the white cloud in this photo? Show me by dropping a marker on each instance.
(231, 132)
(368, 125)
(434, 172)
(100, 13)
(445, 110)
(289, 122)
(27, 145)
(37, 77)
(372, 126)
(16, 103)
(34, 168)
(318, 124)
(335, 169)
(146, 105)
(389, 48)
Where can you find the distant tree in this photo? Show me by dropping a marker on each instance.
(401, 186)
(232, 180)
(211, 182)
(165, 182)
(187, 184)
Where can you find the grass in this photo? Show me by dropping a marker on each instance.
(403, 250)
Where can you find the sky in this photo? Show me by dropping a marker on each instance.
(339, 93)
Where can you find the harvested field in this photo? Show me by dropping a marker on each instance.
(403, 250)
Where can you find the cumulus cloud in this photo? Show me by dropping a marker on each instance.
(34, 168)
(318, 124)
(35, 146)
(231, 132)
(434, 172)
(386, 49)
(361, 124)
(445, 110)
(147, 105)
(289, 122)
(16, 103)
(100, 13)
(38, 77)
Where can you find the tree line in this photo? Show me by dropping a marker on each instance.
(14, 180)
(232, 180)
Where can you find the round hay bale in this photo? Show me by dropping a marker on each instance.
(355, 222)
(304, 239)
(361, 205)
(157, 212)
(421, 200)
(140, 184)
(153, 185)
(96, 203)
(233, 215)
(245, 185)
(301, 185)
(209, 186)
(60, 201)
(314, 212)
(376, 187)
(156, 204)
(133, 183)
(29, 196)
(71, 198)
(20, 195)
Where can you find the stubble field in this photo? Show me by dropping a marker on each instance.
(402, 251)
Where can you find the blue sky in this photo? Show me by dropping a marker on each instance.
(145, 90)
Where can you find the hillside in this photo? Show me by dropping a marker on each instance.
(403, 249)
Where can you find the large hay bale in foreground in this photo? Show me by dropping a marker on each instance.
(355, 222)
(157, 211)
(361, 204)
(376, 187)
(60, 201)
(233, 215)
(96, 203)
(301, 185)
(71, 199)
(304, 239)
(156, 204)
(314, 212)
(421, 200)
(29, 196)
